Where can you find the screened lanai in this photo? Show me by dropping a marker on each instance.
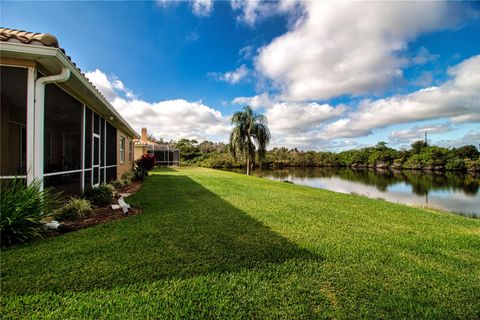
(165, 155)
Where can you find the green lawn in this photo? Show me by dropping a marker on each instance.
(214, 244)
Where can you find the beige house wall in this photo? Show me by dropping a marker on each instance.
(127, 165)
(139, 151)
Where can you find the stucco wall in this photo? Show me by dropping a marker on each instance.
(139, 151)
(127, 165)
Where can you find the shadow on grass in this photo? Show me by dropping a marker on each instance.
(185, 231)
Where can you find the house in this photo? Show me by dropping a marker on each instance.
(56, 127)
(142, 145)
(164, 154)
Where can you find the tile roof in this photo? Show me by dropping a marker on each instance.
(44, 39)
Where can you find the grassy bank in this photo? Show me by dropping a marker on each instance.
(214, 244)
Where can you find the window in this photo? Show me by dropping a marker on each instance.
(130, 150)
(122, 150)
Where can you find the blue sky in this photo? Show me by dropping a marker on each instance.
(328, 76)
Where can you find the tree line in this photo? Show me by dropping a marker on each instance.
(419, 155)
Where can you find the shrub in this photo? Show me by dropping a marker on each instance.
(139, 172)
(455, 164)
(120, 183)
(74, 209)
(147, 161)
(22, 208)
(128, 176)
(99, 196)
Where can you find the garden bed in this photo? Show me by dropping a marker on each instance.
(97, 216)
(101, 215)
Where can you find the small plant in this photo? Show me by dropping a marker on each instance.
(119, 183)
(99, 196)
(22, 207)
(74, 209)
(139, 172)
(124, 182)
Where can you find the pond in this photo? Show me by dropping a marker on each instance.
(455, 192)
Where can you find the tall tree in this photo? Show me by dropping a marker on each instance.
(250, 133)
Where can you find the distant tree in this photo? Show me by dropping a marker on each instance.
(250, 133)
(382, 145)
(418, 146)
(188, 148)
(206, 147)
(467, 152)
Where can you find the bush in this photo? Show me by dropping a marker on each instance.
(455, 164)
(100, 196)
(139, 172)
(74, 209)
(22, 208)
(147, 161)
(121, 183)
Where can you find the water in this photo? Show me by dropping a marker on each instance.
(456, 192)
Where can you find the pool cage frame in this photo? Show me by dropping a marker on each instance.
(164, 154)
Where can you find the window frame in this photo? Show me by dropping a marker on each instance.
(122, 149)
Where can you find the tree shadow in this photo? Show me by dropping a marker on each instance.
(184, 231)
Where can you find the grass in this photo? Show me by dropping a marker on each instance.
(213, 244)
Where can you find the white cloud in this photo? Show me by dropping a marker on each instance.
(425, 79)
(332, 50)
(259, 101)
(202, 8)
(170, 119)
(423, 56)
(418, 132)
(457, 99)
(253, 11)
(232, 77)
(470, 138)
(298, 124)
(294, 124)
(246, 52)
(300, 118)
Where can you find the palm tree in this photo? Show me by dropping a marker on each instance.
(250, 132)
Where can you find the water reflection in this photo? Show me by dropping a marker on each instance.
(457, 192)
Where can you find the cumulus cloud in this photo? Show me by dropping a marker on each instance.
(300, 117)
(259, 101)
(332, 50)
(457, 99)
(109, 86)
(174, 119)
(418, 132)
(232, 77)
(170, 119)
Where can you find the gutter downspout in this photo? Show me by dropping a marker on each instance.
(39, 108)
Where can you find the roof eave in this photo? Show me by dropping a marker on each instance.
(42, 51)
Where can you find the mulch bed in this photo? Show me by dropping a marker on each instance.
(97, 216)
(100, 215)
